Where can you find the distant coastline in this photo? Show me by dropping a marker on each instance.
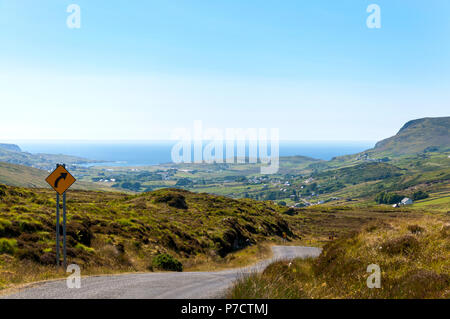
(159, 152)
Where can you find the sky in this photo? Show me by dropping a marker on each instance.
(138, 70)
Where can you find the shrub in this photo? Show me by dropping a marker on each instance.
(422, 283)
(30, 253)
(445, 231)
(167, 262)
(7, 246)
(376, 225)
(4, 224)
(48, 258)
(401, 245)
(30, 226)
(282, 279)
(415, 229)
(419, 195)
(85, 248)
(80, 233)
(131, 186)
(290, 211)
(184, 182)
(124, 222)
(173, 200)
(388, 198)
(327, 259)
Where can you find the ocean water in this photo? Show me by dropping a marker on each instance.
(159, 152)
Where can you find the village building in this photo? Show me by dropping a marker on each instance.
(406, 201)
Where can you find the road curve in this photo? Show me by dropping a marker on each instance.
(180, 285)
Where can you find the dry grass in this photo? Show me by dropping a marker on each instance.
(115, 233)
(414, 264)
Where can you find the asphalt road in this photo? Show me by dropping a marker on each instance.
(157, 285)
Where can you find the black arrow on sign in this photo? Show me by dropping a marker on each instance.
(62, 176)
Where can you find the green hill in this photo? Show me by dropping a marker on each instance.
(426, 134)
(416, 158)
(24, 176)
(416, 138)
(361, 173)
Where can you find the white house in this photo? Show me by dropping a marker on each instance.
(406, 201)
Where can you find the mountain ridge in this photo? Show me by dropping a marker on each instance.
(417, 136)
(11, 153)
(10, 147)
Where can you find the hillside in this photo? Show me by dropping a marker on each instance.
(426, 134)
(416, 158)
(413, 257)
(116, 232)
(10, 147)
(360, 173)
(11, 153)
(24, 176)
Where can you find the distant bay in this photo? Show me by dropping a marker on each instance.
(143, 153)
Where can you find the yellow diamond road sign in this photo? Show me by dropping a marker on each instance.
(60, 180)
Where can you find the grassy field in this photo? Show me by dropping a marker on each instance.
(439, 198)
(413, 256)
(111, 232)
(114, 232)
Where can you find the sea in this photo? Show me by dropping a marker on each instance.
(146, 153)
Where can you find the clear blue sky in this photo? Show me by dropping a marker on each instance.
(139, 69)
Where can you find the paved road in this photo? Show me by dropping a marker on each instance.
(158, 285)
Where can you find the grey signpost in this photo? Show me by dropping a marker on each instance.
(64, 231)
(57, 229)
(60, 180)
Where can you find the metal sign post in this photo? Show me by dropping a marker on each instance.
(64, 231)
(60, 180)
(57, 229)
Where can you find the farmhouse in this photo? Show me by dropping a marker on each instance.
(406, 201)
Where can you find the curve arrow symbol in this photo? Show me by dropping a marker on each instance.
(62, 176)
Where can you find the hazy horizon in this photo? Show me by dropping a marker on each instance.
(142, 153)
